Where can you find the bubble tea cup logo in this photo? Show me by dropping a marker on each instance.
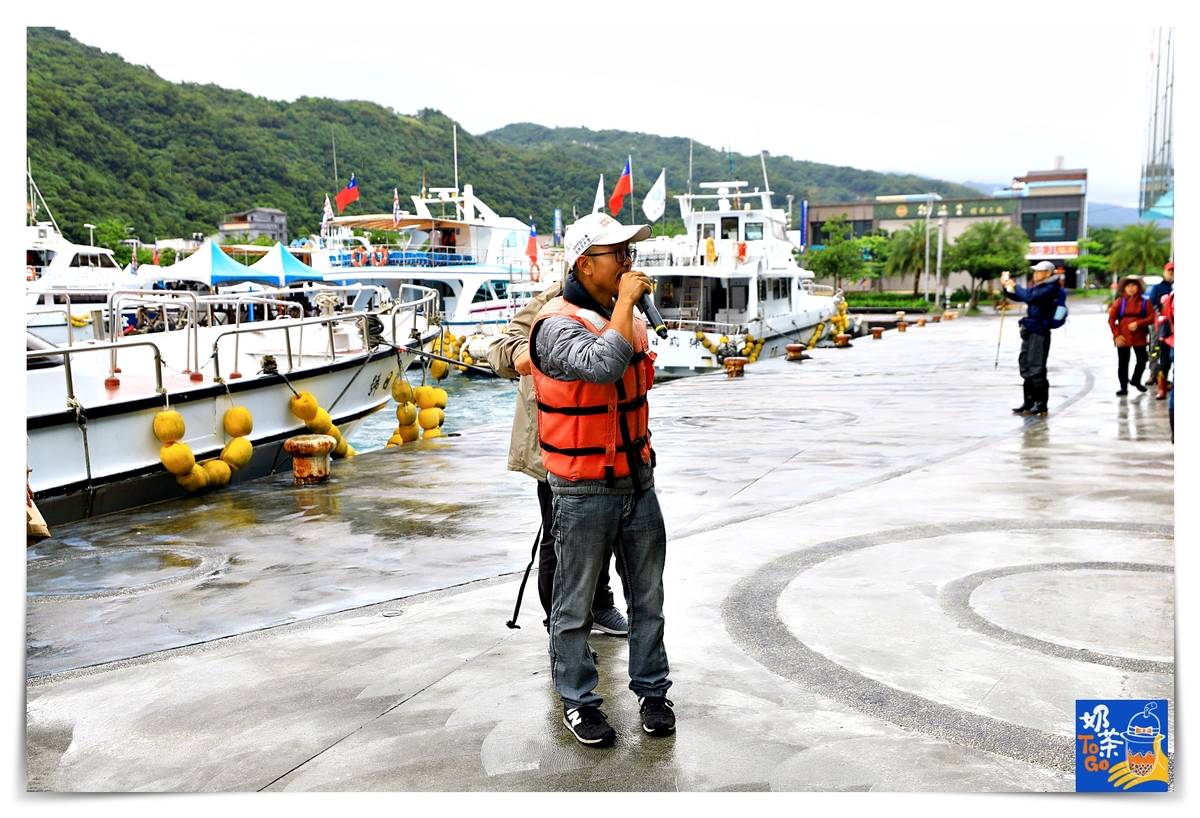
(1108, 759)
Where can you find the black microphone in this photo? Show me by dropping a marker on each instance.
(646, 305)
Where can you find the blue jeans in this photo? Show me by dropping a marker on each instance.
(587, 526)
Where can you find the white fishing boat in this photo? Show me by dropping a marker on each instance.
(730, 285)
(91, 403)
(452, 243)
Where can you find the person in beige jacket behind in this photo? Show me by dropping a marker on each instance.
(509, 358)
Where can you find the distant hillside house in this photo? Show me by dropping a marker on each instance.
(255, 222)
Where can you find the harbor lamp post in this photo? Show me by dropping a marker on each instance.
(938, 274)
(91, 234)
(928, 199)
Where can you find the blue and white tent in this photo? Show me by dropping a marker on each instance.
(283, 268)
(208, 265)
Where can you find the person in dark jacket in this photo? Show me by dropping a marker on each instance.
(1041, 300)
(1129, 318)
(1160, 353)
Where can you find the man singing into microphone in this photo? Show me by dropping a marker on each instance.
(592, 369)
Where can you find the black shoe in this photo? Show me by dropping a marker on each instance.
(589, 726)
(1138, 387)
(1122, 391)
(1024, 407)
(610, 621)
(658, 719)
(1035, 410)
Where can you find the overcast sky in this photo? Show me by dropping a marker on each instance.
(890, 87)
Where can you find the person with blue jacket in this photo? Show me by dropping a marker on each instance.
(1040, 301)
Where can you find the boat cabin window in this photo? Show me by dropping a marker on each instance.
(483, 293)
(500, 285)
(38, 258)
(92, 260)
(706, 231)
(754, 231)
(729, 227)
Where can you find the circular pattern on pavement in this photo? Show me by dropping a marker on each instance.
(752, 619)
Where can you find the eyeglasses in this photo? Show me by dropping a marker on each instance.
(622, 254)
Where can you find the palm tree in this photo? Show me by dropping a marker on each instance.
(1140, 246)
(906, 253)
(985, 249)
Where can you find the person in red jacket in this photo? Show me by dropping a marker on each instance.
(1129, 318)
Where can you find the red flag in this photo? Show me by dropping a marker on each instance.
(531, 246)
(347, 195)
(624, 188)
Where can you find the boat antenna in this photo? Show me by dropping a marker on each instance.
(762, 155)
(333, 136)
(691, 145)
(456, 158)
(35, 195)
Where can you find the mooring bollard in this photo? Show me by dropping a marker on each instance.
(310, 457)
(920, 322)
(795, 352)
(842, 339)
(876, 332)
(901, 326)
(734, 367)
(936, 318)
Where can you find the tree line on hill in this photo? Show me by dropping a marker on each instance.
(111, 141)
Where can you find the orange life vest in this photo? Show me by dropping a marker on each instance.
(593, 431)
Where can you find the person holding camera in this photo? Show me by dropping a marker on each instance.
(1041, 301)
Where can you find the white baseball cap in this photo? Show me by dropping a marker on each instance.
(1044, 265)
(599, 228)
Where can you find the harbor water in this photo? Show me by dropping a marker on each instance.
(471, 401)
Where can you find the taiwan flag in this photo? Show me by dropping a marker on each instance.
(531, 246)
(347, 195)
(624, 188)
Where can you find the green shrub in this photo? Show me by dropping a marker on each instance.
(891, 301)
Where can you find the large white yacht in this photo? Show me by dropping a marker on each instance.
(729, 285)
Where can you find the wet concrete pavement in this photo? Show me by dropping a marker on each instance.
(878, 578)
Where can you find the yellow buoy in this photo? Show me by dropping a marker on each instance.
(440, 398)
(350, 450)
(402, 391)
(238, 422)
(749, 338)
(406, 413)
(320, 423)
(218, 472)
(699, 335)
(304, 406)
(428, 418)
(196, 478)
(425, 397)
(395, 440)
(439, 370)
(177, 457)
(168, 426)
(409, 433)
(341, 449)
(237, 453)
(334, 432)
(428, 433)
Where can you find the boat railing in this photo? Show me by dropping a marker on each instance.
(67, 352)
(160, 299)
(818, 289)
(707, 327)
(398, 255)
(66, 310)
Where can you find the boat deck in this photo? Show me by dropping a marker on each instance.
(878, 578)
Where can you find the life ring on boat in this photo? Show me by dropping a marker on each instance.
(30, 274)
(535, 272)
(741, 248)
(358, 257)
(379, 256)
(710, 250)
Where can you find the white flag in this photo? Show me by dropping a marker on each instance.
(598, 205)
(655, 203)
(395, 207)
(326, 218)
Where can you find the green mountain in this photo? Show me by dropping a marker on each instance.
(107, 139)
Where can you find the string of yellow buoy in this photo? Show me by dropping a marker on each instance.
(420, 410)
(317, 420)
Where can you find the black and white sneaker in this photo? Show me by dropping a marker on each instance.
(658, 719)
(610, 621)
(589, 726)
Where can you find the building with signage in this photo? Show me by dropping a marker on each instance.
(255, 222)
(1049, 205)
